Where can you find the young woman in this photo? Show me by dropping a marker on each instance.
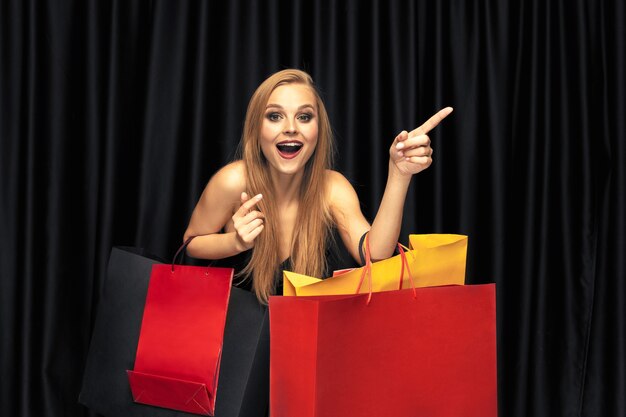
(280, 203)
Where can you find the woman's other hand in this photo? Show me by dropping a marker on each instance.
(247, 221)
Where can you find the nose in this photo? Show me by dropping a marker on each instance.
(290, 127)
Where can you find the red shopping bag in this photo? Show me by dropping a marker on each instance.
(180, 343)
(414, 352)
(398, 356)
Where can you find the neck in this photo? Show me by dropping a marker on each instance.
(286, 187)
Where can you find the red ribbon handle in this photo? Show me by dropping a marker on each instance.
(405, 261)
(367, 269)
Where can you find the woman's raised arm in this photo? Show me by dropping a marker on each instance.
(409, 154)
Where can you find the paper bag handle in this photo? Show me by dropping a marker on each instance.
(183, 246)
(367, 269)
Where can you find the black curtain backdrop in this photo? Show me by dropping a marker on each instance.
(116, 113)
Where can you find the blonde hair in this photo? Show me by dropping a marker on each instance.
(310, 236)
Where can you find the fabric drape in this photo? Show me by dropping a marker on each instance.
(114, 115)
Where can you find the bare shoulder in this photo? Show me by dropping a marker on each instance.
(230, 180)
(342, 198)
(223, 191)
(220, 198)
(338, 185)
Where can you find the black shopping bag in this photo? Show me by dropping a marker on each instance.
(244, 369)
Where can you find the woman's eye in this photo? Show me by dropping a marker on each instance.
(273, 117)
(305, 117)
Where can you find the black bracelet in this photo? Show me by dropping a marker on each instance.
(361, 255)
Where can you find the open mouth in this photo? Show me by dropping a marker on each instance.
(289, 149)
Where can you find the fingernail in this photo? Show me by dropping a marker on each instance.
(400, 145)
(259, 196)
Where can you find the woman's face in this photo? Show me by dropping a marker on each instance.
(289, 129)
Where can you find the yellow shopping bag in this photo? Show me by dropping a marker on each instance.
(433, 260)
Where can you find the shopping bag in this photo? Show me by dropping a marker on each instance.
(433, 259)
(180, 342)
(421, 351)
(244, 370)
(438, 259)
(424, 352)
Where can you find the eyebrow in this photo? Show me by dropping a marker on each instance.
(278, 106)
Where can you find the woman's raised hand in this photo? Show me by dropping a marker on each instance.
(248, 221)
(411, 152)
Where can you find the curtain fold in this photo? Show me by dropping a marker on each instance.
(115, 114)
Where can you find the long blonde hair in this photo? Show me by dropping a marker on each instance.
(311, 235)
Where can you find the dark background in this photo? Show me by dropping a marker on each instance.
(116, 113)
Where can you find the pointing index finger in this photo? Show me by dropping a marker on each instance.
(249, 204)
(432, 123)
